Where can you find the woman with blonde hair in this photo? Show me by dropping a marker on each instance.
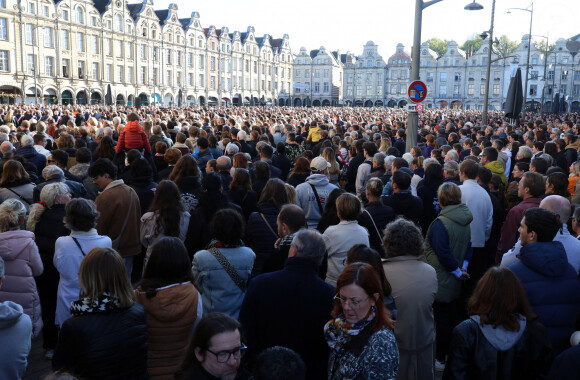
(16, 183)
(106, 337)
(334, 169)
(385, 145)
(46, 221)
(22, 262)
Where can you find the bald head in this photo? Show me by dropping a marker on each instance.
(223, 163)
(558, 205)
(6, 148)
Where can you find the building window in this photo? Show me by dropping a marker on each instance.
(31, 64)
(4, 61)
(201, 81)
(143, 75)
(29, 34)
(496, 90)
(48, 40)
(93, 21)
(118, 48)
(119, 73)
(201, 61)
(155, 53)
(533, 89)
(3, 29)
(442, 91)
(64, 14)
(119, 23)
(212, 63)
(108, 50)
(65, 68)
(80, 15)
(143, 51)
(80, 42)
(65, 43)
(95, 44)
(178, 58)
(168, 57)
(212, 82)
(155, 76)
(482, 89)
(190, 79)
(95, 71)
(443, 77)
(316, 87)
(130, 74)
(49, 66)
(190, 60)
(129, 50)
(470, 89)
(81, 69)
(169, 78)
(32, 8)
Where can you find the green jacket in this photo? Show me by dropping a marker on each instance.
(456, 220)
(497, 168)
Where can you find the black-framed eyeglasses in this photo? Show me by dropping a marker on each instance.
(224, 356)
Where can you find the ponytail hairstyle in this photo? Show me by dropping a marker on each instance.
(48, 197)
(12, 214)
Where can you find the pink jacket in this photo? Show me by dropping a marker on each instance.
(22, 263)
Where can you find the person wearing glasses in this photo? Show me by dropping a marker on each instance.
(361, 339)
(215, 351)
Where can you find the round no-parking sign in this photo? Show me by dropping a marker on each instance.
(417, 91)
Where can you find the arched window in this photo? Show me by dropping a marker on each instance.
(80, 15)
(119, 23)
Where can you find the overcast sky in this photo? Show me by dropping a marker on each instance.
(348, 25)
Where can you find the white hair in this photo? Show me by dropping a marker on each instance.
(26, 140)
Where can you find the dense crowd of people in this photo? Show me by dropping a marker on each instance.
(289, 243)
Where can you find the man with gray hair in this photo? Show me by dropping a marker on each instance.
(30, 154)
(561, 207)
(54, 174)
(306, 299)
(15, 335)
(7, 151)
(224, 164)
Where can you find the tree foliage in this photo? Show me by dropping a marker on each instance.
(545, 48)
(437, 45)
(471, 45)
(506, 46)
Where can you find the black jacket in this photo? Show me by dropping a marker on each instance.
(289, 308)
(145, 189)
(428, 195)
(260, 237)
(352, 171)
(474, 358)
(104, 346)
(405, 204)
(247, 200)
(381, 215)
(77, 189)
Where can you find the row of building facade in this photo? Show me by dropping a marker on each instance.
(87, 51)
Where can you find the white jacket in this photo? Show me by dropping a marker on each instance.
(479, 203)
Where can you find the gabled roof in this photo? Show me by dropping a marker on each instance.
(244, 36)
(135, 10)
(342, 57)
(276, 43)
(314, 53)
(163, 15)
(185, 22)
(102, 5)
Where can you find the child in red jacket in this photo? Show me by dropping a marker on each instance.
(133, 136)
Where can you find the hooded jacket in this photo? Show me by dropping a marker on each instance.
(447, 248)
(171, 314)
(22, 263)
(497, 168)
(307, 200)
(15, 335)
(133, 137)
(552, 287)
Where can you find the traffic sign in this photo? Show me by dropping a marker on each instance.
(417, 91)
(420, 108)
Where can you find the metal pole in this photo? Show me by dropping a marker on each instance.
(488, 70)
(545, 77)
(413, 116)
(528, 60)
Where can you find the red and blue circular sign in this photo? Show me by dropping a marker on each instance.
(417, 91)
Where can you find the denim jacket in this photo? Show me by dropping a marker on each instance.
(218, 290)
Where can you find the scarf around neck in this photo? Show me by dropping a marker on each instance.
(338, 331)
(219, 244)
(103, 304)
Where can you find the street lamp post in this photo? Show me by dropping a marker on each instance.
(476, 7)
(531, 10)
(413, 116)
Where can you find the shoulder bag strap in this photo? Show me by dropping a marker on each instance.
(372, 220)
(317, 197)
(78, 245)
(236, 278)
(117, 241)
(19, 196)
(269, 226)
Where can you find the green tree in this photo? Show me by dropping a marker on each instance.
(437, 45)
(545, 48)
(505, 46)
(471, 45)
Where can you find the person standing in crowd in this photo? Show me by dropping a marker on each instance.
(403, 202)
(69, 251)
(340, 238)
(479, 204)
(172, 303)
(22, 262)
(361, 339)
(222, 271)
(414, 284)
(313, 194)
(501, 339)
(448, 250)
(46, 221)
(15, 334)
(106, 337)
(530, 188)
(291, 219)
(215, 351)
(119, 209)
(550, 282)
(375, 215)
(298, 289)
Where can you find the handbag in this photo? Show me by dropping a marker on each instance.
(372, 220)
(230, 270)
(317, 198)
